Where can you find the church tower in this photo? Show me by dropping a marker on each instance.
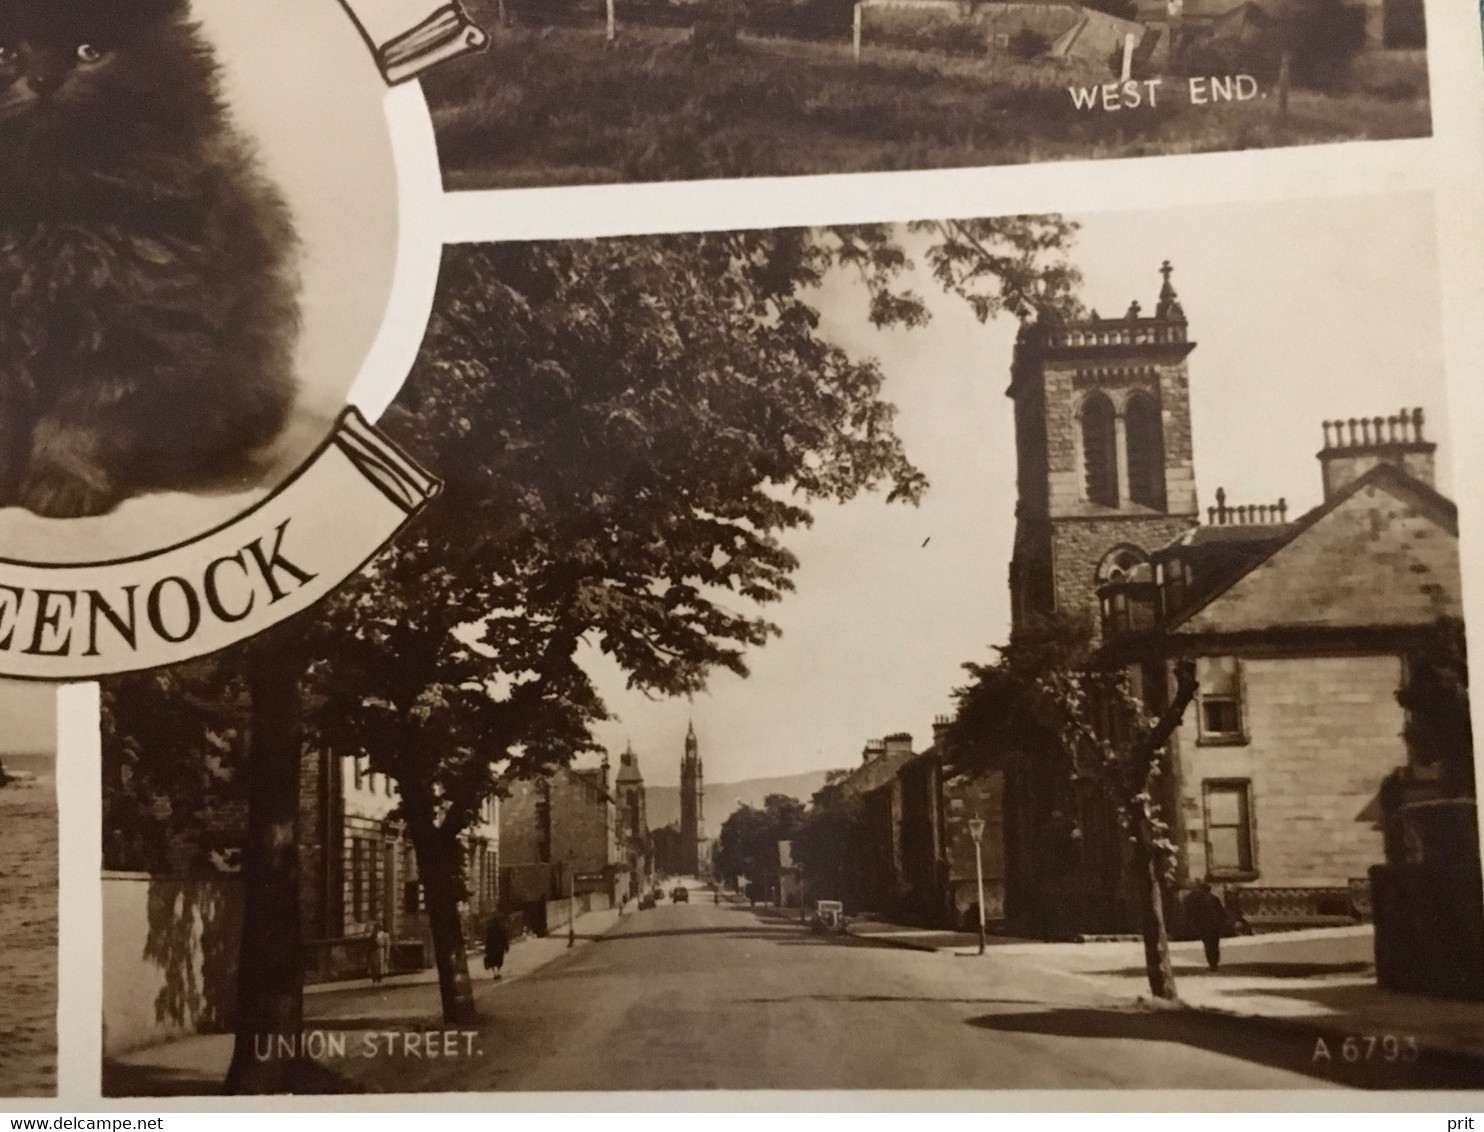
(691, 815)
(1103, 448)
(635, 846)
(633, 821)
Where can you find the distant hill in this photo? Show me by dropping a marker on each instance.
(662, 803)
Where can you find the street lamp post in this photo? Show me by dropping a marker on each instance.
(571, 903)
(976, 831)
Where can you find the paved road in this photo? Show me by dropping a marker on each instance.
(696, 996)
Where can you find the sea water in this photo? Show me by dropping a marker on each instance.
(28, 931)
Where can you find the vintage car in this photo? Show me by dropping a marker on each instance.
(681, 894)
(829, 916)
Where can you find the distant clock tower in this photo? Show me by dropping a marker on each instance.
(691, 814)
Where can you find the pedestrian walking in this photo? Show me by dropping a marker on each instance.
(496, 944)
(381, 953)
(1208, 917)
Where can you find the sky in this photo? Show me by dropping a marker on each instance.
(1301, 311)
(1309, 323)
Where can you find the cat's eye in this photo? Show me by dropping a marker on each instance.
(87, 53)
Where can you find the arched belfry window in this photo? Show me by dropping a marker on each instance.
(1146, 453)
(1099, 451)
(1126, 590)
(1121, 564)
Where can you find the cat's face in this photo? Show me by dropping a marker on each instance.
(65, 61)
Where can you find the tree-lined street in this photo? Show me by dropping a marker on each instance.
(707, 996)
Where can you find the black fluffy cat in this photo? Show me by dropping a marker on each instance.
(148, 304)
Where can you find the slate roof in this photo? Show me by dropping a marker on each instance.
(1342, 565)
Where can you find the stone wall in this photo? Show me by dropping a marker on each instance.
(169, 957)
(1321, 734)
(582, 824)
(1066, 384)
(1430, 928)
(965, 797)
(1056, 522)
(1078, 545)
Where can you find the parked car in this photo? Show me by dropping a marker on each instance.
(829, 916)
(646, 902)
(681, 895)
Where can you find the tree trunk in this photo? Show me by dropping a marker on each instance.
(270, 972)
(1147, 758)
(1152, 912)
(441, 871)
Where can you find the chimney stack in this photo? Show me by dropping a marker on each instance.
(941, 724)
(898, 744)
(1355, 445)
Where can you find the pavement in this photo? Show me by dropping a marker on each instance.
(1320, 980)
(197, 1065)
(705, 996)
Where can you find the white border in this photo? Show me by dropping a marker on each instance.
(1449, 164)
(79, 893)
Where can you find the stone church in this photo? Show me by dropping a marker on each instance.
(1300, 627)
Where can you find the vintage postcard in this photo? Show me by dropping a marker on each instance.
(1036, 638)
(739, 552)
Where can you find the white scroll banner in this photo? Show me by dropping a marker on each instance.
(409, 36)
(66, 622)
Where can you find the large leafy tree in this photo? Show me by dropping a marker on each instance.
(829, 845)
(173, 741)
(627, 430)
(747, 845)
(172, 788)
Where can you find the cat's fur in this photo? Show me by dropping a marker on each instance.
(148, 302)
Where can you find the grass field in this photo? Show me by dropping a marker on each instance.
(559, 106)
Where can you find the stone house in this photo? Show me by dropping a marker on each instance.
(1300, 653)
(919, 859)
(358, 869)
(559, 845)
(875, 783)
(1300, 629)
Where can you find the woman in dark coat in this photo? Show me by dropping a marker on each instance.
(496, 943)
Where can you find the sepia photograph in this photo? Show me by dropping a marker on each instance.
(1009, 653)
(28, 891)
(574, 92)
(191, 289)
